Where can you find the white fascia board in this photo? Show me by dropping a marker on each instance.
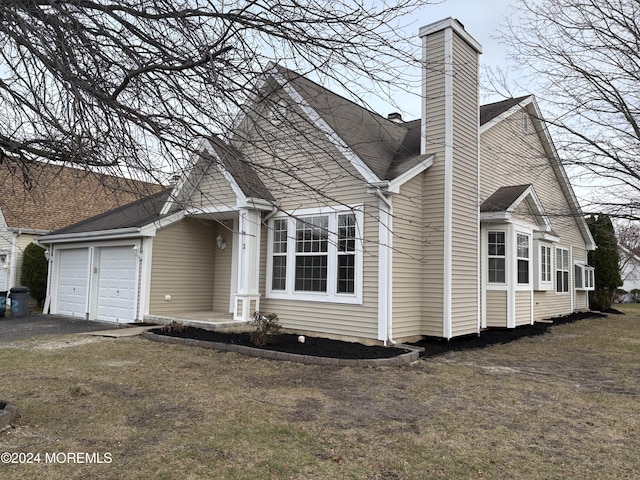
(546, 236)
(561, 174)
(495, 217)
(539, 209)
(396, 183)
(151, 229)
(190, 169)
(507, 114)
(132, 232)
(241, 198)
(324, 127)
(257, 204)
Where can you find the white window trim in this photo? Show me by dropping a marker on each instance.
(527, 285)
(556, 270)
(584, 273)
(539, 283)
(485, 238)
(331, 295)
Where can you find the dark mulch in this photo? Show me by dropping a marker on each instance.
(288, 343)
(323, 347)
(495, 336)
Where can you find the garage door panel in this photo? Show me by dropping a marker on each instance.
(72, 282)
(116, 284)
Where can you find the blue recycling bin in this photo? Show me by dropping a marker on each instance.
(19, 301)
(3, 302)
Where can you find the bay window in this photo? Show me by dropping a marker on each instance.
(497, 257)
(523, 258)
(316, 256)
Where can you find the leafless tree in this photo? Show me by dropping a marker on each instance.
(131, 85)
(584, 56)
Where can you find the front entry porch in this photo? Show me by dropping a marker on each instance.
(207, 320)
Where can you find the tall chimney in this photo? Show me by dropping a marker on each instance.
(450, 130)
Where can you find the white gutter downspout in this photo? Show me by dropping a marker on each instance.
(13, 264)
(385, 270)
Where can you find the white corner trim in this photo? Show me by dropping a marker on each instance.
(447, 326)
(346, 151)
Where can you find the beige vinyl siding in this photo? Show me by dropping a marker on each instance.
(504, 148)
(496, 308)
(214, 190)
(183, 267)
(433, 196)
(523, 307)
(465, 211)
(333, 319)
(222, 265)
(408, 226)
(330, 181)
(522, 214)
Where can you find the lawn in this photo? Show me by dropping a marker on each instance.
(561, 405)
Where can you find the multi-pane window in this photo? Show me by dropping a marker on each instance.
(562, 270)
(346, 253)
(584, 277)
(523, 258)
(497, 257)
(317, 254)
(312, 239)
(545, 263)
(279, 270)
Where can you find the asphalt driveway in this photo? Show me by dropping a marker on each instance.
(34, 325)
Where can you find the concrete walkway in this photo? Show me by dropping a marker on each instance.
(35, 325)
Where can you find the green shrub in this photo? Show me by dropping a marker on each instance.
(266, 328)
(34, 272)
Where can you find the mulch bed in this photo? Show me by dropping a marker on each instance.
(288, 343)
(323, 347)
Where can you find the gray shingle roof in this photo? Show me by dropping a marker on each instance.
(244, 175)
(492, 110)
(503, 198)
(135, 214)
(389, 148)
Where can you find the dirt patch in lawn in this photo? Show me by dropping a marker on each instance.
(564, 404)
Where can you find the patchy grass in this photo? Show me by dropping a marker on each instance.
(560, 405)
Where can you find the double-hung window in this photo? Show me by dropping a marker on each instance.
(562, 270)
(496, 246)
(316, 256)
(545, 264)
(523, 258)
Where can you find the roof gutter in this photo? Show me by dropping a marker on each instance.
(131, 232)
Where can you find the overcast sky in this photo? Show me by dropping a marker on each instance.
(481, 19)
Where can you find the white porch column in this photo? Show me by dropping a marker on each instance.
(247, 295)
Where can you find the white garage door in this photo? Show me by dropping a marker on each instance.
(116, 284)
(73, 282)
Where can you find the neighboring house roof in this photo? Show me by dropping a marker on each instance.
(135, 214)
(41, 196)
